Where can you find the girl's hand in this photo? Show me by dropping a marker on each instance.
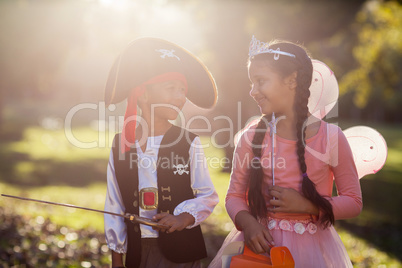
(291, 201)
(175, 223)
(256, 236)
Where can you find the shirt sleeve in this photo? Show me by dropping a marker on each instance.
(236, 194)
(115, 228)
(348, 203)
(206, 197)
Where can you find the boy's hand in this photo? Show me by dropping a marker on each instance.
(117, 259)
(175, 223)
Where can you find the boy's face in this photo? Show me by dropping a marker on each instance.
(166, 99)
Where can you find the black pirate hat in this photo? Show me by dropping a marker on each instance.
(145, 58)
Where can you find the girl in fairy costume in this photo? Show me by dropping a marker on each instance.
(299, 210)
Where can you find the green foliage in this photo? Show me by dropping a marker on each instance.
(378, 53)
(27, 241)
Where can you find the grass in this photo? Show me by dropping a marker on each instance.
(92, 196)
(43, 164)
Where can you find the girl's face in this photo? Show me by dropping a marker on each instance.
(166, 99)
(270, 90)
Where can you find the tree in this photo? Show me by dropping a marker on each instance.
(375, 84)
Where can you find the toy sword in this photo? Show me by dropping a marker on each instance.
(131, 217)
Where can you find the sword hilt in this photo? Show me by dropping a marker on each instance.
(137, 219)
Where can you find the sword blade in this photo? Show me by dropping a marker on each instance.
(64, 205)
(131, 217)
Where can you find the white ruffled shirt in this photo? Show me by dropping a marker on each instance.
(200, 207)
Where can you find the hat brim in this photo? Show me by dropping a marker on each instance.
(145, 58)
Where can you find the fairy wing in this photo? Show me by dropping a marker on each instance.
(324, 91)
(369, 149)
(368, 146)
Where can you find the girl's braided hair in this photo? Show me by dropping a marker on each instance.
(285, 66)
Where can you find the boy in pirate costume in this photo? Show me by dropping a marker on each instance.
(158, 170)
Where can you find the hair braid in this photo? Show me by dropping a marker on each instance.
(301, 110)
(255, 196)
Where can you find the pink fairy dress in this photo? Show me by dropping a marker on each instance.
(328, 158)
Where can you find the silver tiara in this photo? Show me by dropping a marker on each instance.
(257, 47)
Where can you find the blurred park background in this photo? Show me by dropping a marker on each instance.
(54, 60)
